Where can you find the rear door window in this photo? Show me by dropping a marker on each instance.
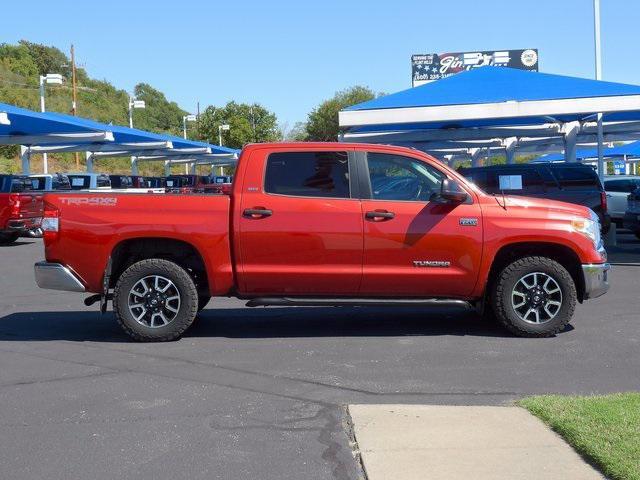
(308, 174)
(572, 178)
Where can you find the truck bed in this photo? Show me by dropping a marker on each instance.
(93, 224)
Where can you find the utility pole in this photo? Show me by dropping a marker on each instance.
(598, 59)
(74, 104)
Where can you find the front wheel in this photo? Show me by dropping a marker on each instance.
(155, 300)
(534, 297)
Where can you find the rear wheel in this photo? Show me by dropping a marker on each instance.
(534, 297)
(155, 300)
(8, 238)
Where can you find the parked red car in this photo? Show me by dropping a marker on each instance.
(21, 209)
(326, 224)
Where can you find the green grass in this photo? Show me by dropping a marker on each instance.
(604, 429)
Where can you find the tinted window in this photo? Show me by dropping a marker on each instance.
(572, 178)
(626, 185)
(395, 177)
(61, 182)
(78, 182)
(103, 181)
(38, 183)
(308, 174)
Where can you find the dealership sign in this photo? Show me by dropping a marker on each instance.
(434, 66)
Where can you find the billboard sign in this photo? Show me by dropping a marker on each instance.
(434, 66)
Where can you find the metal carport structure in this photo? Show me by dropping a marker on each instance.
(54, 132)
(497, 109)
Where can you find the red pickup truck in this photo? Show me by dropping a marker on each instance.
(325, 224)
(20, 208)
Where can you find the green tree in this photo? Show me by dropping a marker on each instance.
(322, 123)
(249, 123)
(160, 114)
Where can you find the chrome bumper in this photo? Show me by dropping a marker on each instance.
(596, 279)
(56, 276)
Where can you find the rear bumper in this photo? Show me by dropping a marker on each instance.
(23, 224)
(55, 276)
(596, 279)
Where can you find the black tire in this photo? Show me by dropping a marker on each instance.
(203, 300)
(8, 238)
(185, 312)
(503, 292)
(637, 234)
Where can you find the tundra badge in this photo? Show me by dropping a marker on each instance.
(432, 263)
(469, 222)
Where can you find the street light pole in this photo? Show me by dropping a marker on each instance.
(53, 78)
(226, 127)
(222, 127)
(133, 103)
(598, 59)
(185, 119)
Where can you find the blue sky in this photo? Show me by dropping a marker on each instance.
(290, 55)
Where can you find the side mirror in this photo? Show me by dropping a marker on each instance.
(452, 192)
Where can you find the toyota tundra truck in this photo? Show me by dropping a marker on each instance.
(320, 224)
(20, 208)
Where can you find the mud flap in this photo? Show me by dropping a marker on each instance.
(104, 298)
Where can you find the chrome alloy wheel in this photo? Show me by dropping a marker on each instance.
(154, 301)
(536, 298)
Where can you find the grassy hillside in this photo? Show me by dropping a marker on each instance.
(20, 67)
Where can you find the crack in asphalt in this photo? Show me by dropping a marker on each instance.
(58, 379)
(297, 379)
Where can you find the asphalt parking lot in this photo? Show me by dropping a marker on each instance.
(260, 393)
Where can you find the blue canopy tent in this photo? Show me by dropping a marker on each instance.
(54, 132)
(629, 152)
(19, 126)
(498, 109)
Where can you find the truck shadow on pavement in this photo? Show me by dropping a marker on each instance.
(15, 244)
(239, 323)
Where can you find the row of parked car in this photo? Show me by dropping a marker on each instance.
(21, 196)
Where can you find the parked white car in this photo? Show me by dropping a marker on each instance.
(618, 188)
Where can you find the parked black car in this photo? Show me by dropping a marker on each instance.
(572, 183)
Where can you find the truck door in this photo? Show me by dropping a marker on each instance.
(413, 246)
(300, 224)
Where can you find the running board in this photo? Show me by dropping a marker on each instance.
(365, 302)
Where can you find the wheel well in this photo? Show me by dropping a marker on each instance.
(128, 252)
(565, 256)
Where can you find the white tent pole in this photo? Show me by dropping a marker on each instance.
(25, 159)
(89, 161)
(134, 165)
(570, 131)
